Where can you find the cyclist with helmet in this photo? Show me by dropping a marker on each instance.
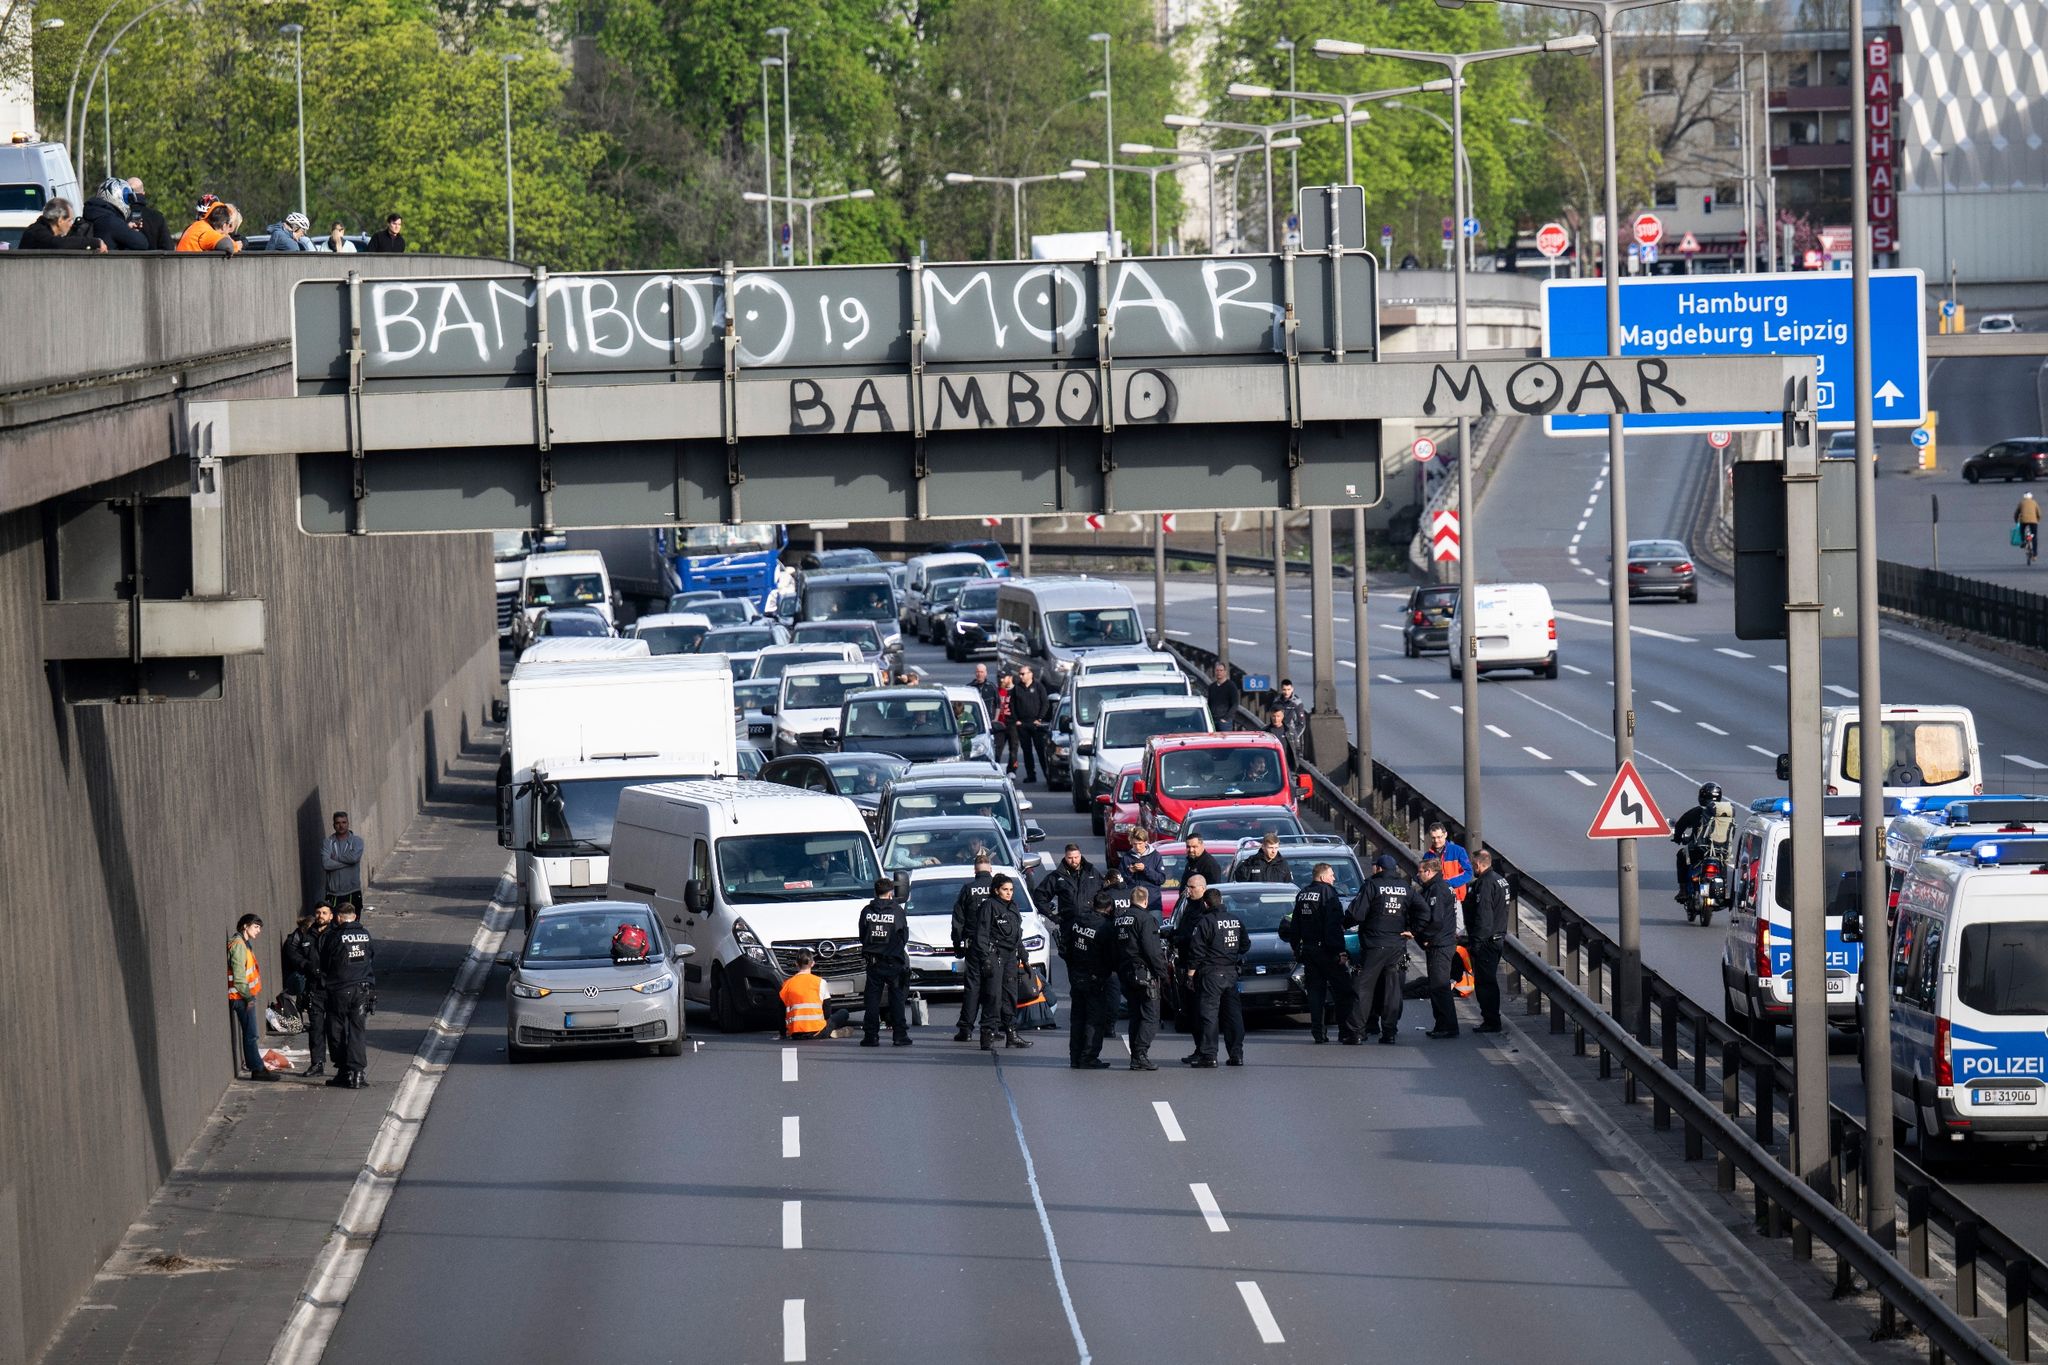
(2026, 519)
(290, 235)
(1707, 826)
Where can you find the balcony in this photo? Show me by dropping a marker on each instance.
(1799, 97)
(1812, 156)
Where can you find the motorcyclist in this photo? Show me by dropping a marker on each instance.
(1706, 828)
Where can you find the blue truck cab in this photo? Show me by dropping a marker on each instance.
(737, 560)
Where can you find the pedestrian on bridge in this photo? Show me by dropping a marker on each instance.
(392, 236)
(341, 863)
(245, 994)
(885, 952)
(1217, 943)
(1487, 920)
(1386, 913)
(348, 967)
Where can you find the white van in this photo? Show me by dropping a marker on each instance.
(1144, 659)
(807, 706)
(1122, 729)
(563, 578)
(1091, 691)
(1756, 957)
(1943, 820)
(1514, 626)
(1929, 750)
(31, 175)
(1053, 623)
(748, 873)
(922, 572)
(1969, 1006)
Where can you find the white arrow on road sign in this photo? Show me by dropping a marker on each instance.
(1890, 393)
(991, 521)
(1628, 812)
(1921, 436)
(1443, 536)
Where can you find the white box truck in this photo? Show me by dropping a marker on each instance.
(579, 733)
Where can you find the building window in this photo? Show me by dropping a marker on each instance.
(1728, 196)
(1660, 81)
(1665, 195)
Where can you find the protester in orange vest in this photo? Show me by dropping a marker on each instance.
(245, 994)
(211, 233)
(803, 1004)
(1457, 874)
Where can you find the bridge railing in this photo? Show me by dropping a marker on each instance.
(1965, 603)
(1731, 1094)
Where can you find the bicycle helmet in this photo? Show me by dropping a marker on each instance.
(297, 222)
(1710, 792)
(629, 944)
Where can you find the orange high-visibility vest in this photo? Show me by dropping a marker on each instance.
(255, 970)
(803, 1004)
(1463, 986)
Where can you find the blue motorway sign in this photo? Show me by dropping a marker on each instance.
(1787, 314)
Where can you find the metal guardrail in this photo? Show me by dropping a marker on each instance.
(1966, 603)
(900, 549)
(1716, 1079)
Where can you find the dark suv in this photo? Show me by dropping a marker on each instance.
(1426, 624)
(2022, 457)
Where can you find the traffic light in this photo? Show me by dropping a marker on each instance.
(1707, 202)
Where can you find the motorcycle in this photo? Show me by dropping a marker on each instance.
(1706, 885)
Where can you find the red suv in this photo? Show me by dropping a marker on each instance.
(1235, 768)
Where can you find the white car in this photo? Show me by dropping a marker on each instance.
(807, 707)
(671, 632)
(934, 969)
(1998, 322)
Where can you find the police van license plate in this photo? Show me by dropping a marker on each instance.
(1983, 1095)
(1840, 985)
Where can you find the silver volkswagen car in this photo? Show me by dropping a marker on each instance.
(570, 989)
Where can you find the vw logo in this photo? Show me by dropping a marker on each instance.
(827, 948)
(590, 990)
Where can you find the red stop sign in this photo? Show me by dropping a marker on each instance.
(1552, 239)
(1649, 229)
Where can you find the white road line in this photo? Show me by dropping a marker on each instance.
(1255, 611)
(789, 1064)
(1425, 692)
(1347, 663)
(1582, 672)
(1575, 540)
(1760, 749)
(1605, 584)
(792, 1141)
(1495, 729)
(1907, 637)
(1777, 668)
(1385, 625)
(1664, 706)
(1262, 1316)
(1211, 1214)
(1841, 691)
(792, 1330)
(1586, 571)
(1052, 1246)
(1234, 640)
(1711, 729)
(1535, 753)
(1176, 630)
(1168, 1121)
(1733, 653)
(792, 1225)
(1457, 710)
(1583, 780)
(1303, 653)
(1582, 524)
(1599, 484)
(1386, 677)
(2025, 762)
(1603, 735)
(1639, 630)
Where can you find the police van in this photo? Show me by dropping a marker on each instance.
(1946, 819)
(1969, 1006)
(1756, 958)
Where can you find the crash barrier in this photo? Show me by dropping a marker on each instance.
(899, 549)
(1965, 603)
(1731, 1094)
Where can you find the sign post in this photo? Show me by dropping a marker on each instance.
(1552, 241)
(1628, 811)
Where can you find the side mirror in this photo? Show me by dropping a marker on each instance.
(1784, 767)
(507, 959)
(830, 732)
(1105, 800)
(1084, 749)
(505, 815)
(696, 899)
(683, 950)
(501, 711)
(1852, 928)
(767, 708)
(1139, 789)
(902, 885)
(1033, 834)
(1307, 785)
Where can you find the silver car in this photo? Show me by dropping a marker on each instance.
(567, 990)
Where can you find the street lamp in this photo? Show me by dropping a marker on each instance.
(768, 163)
(1948, 271)
(1266, 134)
(1584, 174)
(1240, 90)
(1210, 157)
(298, 32)
(1454, 65)
(1463, 246)
(808, 204)
(98, 67)
(1745, 152)
(506, 61)
(1151, 174)
(781, 31)
(1287, 45)
(1016, 184)
(1108, 131)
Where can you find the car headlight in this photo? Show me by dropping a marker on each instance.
(1059, 750)
(1166, 824)
(1034, 943)
(656, 985)
(926, 950)
(526, 990)
(749, 941)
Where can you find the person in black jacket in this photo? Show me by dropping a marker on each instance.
(966, 919)
(1436, 930)
(1069, 887)
(392, 238)
(1142, 863)
(58, 230)
(1385, 912)
(1223, 697)
(302, 977)
(146, 220)
(106, 217)
(348, 967)
(999, 942)
(1200, 861)
(1088, 947)
(885, 952)
(1487, 920)
(1141, 970)
(1031, 709)
(1263, 864)
(1315, 930)
(1217, 942)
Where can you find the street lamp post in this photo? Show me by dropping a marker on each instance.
(1151, 174)
(1287, 45)
(1240, 90)
(788, 133)
(768, 163)
(1210, 157)
(98, 67)
(1108, 132)
(1463, 246)
(808, 204)
(1016, 184)
(298, 32)
(78, 67)
(506, 61)
(1745, 151)
(1584, 175)
(1454, 64)
(1948, 273)
(1270, 135)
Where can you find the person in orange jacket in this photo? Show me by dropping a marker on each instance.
(245, 994)
(803, 1004)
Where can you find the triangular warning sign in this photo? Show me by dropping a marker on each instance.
(1689, 245)
(1628, 812)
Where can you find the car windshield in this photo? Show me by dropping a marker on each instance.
(976, 595)
(758, 869)
(1260, 909)
(1088, 700)
(863, 774)
(1436, 599)
(841, 559)
(1130, 729)
(947, 590)
(935, 895)
(576, 815)
(775, 665)
(1838, 859)
(1917, 753)
(27, 199)
(749, 693)
(736, 640)
(908, 848)
(747, 537)
(958, 801)
(899, 717)
(861, 633)
(2002, 967)
(1230, 827)
(818, 691)
(672, 639)
(853, 601)
(1206, 774)
(504, 544)
(561, 589)
(1094, 628)
(726, 611)
(1301, 865)
(578, 623)
(564, 936)
(967, 716)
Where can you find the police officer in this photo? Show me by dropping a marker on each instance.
(1315, 928)
(1141, 970)
(1436, 929)
(998, 940)
(348, 969)
(1088, 947)
(1263, 864)
(1486, 929)
(966, 916)
(1385, 912)
(1070, 887)
(885, 951)
(1216, 944)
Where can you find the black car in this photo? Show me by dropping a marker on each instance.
(971, 621)
(916, 723)
(2022, 457)
(1662, 568)
(1427, 622)
(1059, 749)
(1268, 979)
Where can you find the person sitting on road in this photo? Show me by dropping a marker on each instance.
(803, 1004)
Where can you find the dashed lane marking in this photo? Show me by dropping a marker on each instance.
(1582, 672)
(1386, 677)
(789, 1064)
(1603, 735)
(1760, 749)
(1581, 778)
(1711, 729)
(1168, 1122)
(1234, 640)
(793, 1330)
(792, 1225)
(1733, 653)
(1639, 630)
(1496, 730)
(1347, 663)
(1664, 706)
(1388, 625)
(1535, 753)
(1301, 653)
(2025, 762)
(1777, 668)
(1262, 1316)
(1425, 692)
(792, 1139)
(1842, 691)
(1211, 1214)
